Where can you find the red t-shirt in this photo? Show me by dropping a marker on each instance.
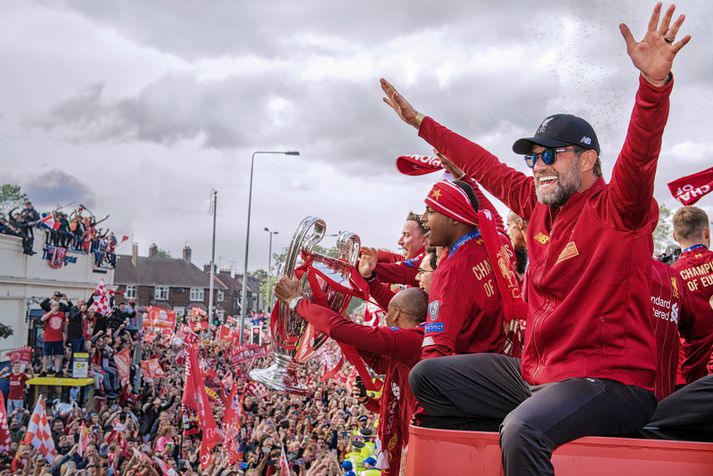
(17, 386)
(54, 327)
(465, 312)
(696, 269)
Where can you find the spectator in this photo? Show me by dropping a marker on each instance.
(16, 393)
(54, 337)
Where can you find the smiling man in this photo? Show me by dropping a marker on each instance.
(589, 360)
(465, 312)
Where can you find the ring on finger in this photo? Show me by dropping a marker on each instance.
(668, 40)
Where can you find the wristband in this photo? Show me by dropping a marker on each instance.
(294, 302)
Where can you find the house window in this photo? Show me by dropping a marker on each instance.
(130, 292)
(161, 293)
(219, 296)
(197, 294)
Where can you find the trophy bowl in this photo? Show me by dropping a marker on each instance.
(294, 340)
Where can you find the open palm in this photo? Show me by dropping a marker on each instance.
(654, 54)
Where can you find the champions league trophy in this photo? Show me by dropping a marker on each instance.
(294, 340)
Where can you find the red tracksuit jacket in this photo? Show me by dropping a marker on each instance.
(389, 351)
(696, 269)
(587, 289)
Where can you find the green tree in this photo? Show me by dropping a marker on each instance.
(5, 331)
(663, 234)
(11, 196)
(163, 253)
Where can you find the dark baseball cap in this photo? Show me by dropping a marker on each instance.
(559, 130)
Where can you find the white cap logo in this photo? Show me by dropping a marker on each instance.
(543, 126)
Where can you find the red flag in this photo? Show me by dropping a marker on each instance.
(101, 299)
(84, 439)
(38, 432)
(124, 238)
(23, 354)
(152, 369)
(195, 397)
(225, 333)
(231, 424)
(123, 364)
(691, 188)
(4, 429)
(50, 222)
(284, 464)
(160, 318)
(166, 470)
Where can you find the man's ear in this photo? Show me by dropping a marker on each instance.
(587, 160)
(675, 236)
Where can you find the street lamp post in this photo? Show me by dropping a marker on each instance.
(268, 293)
(243, 301)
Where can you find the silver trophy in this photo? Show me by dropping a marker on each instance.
(288, 328)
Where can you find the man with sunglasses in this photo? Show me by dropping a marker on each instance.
(589, 360)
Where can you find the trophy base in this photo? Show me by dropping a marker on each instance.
(279, 378)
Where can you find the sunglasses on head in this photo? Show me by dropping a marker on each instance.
(549, 155)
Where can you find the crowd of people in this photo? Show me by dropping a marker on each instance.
(138, 425)
(77, 231)
(554, 324)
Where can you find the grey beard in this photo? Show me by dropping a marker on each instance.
(561, 195)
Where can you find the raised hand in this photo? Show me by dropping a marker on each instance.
(400, 105)
(452, 168)
(654, 54)
(367, 261)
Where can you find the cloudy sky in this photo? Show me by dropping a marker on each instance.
(138, 109)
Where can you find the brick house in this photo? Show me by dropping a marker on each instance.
(173, 283)
(234, 290)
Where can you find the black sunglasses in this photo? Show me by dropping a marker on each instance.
(549, 155)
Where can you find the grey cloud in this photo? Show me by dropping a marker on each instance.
(58, 187)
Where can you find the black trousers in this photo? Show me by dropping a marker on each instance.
(536, 419)
(685, 414)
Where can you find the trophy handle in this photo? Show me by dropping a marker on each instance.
(349, 247)
(310, 231)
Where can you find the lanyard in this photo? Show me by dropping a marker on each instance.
(464, 239)
(694, 247)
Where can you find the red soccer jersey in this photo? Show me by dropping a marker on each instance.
(695, 267)
(17, 386)
(671, 316)
(465, 312)
(54, 327)
(402, 272)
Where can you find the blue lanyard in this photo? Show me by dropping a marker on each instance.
(691, 248)
(464, 239)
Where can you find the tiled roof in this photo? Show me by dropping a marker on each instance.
(160, 271)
